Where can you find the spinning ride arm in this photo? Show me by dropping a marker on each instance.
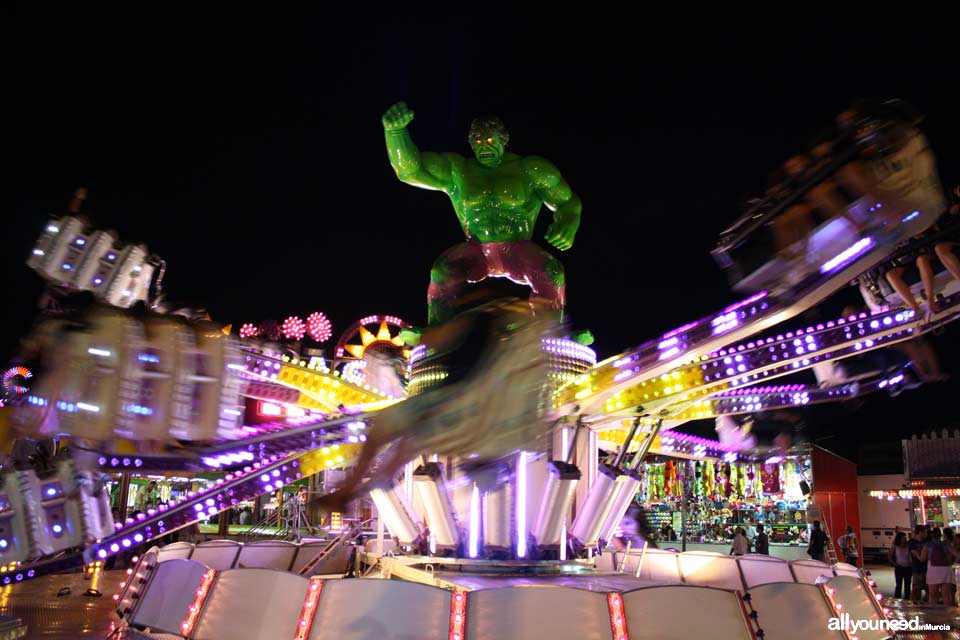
(621, 385)
(900, 198)
(256, 479)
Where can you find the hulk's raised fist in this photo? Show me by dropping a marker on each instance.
(397, 117)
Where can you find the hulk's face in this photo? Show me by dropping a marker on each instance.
(488, 147)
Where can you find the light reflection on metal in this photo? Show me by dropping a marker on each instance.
(432, 490)
(397, 514)
(845, 256)
(559, 488)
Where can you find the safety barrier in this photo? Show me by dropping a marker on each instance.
(182, 598)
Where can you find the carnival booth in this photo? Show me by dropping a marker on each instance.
(726, 489)
(932, 479)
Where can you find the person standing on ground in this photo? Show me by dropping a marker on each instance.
(762, 541)
(939, 558)
(741, 546)
(848, 544)
(818, 542)
(953, 542)
(902, 563)
(916, 546)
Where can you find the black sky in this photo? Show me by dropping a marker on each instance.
(249, 154)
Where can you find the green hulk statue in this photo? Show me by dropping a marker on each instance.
(497, 198)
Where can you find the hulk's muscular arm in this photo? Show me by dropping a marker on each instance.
(421, 169)
(557, 195)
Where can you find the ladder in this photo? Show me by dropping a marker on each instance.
(814, 513)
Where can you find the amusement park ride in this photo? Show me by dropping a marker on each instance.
(120, 386)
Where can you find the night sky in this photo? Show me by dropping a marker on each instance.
(249, 154)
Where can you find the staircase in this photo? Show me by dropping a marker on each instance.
(327, 552)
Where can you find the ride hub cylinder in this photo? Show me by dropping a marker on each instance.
(428, 479)
(498, 518)
(625, 488)
(596, 508)
(558, 492)
(393, 506)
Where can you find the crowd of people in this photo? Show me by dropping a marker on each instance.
(816, 548)
(922, 565)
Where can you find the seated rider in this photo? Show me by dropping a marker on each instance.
(893, 168)
(945, 247)
(939, 241)
(792, 227)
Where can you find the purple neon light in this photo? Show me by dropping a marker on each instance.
(521, 516)
(669, 342)
(669, 353)
(725, 322)
(697, 440)
(858, 248)
(786, 388)
(757, 297)
(474, 540)
(680, 330)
